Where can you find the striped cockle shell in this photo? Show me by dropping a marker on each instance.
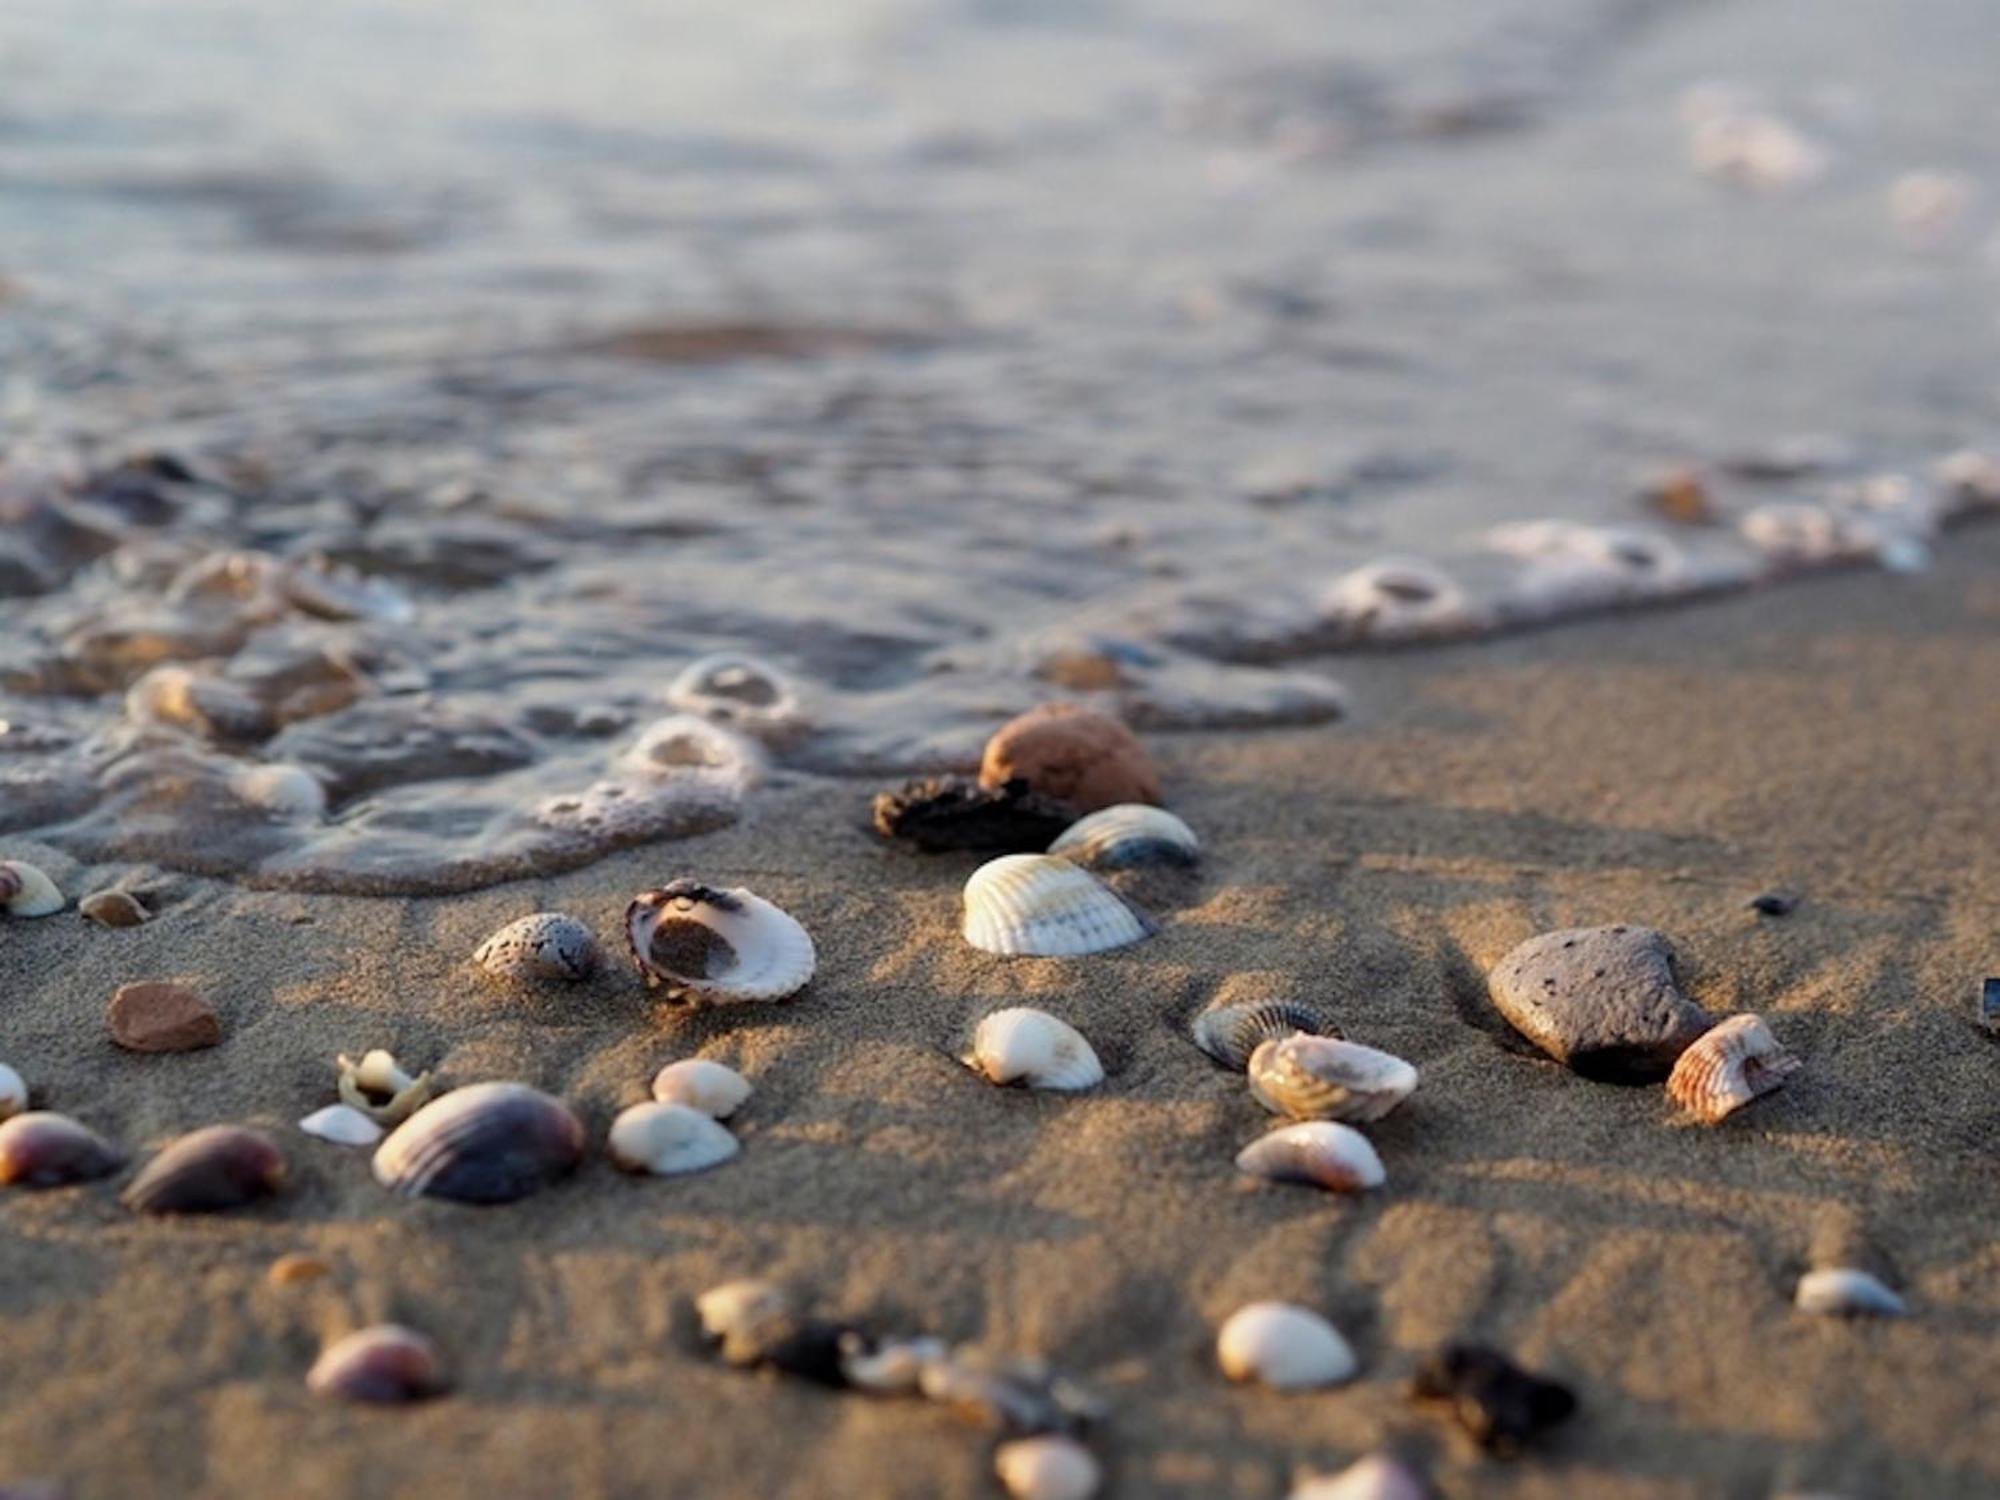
(208, 1171)
(1728, 1066)
(1284, 1346)
(343, 1125)
(378, 1087)
(1128, 835)
(26, 891)
(1231, 1033)
(487, 1143)
(43, 1149)
(739, 691)
(709, 945)
(1318, 1152)
(1324, 1078)
(668, 1140)
(1047, 1467)
(542, 945)
(717, 1091)
(1842, 1289)
(1043, 905)
(1031, 1047)
(13, 1093)
(384, 1365)
(1376, 1477)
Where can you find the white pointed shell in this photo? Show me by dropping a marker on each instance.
(542, 945)
(1284, 1346)
(745, 948)
(1050, 1467)
(1318, 1152)
(1842, 1289)
(1728, 1066)
(1324, 1078)
(715, 1090)
(13, 1093)
(1376, 1477)
(668, 1140)
(25, 891)
(1032, 1047)
(1042, 905)
(342, 1124)
(1128, 835)
(377, 1087)
(740, 691)
(287, 790)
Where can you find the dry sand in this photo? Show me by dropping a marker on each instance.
(1841, 738)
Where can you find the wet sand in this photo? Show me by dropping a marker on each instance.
(1837, 738)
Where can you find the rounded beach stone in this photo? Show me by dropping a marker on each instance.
(155, 1017)
(1076, 755)
(1601, 1000)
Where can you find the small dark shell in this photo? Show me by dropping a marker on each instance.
(44, 1149)
(210, 1171)
(1230, 1033)
(809, 1349)
(1500, 1404)
(387, 1364)
(956, 812)
(1775, 904)
(489, 1143)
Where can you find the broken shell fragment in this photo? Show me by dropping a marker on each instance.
(1043, 906)
(709, 945)
(740, 691)
(385, 1365)
(1126, 836)
(956, 812)
(1843, 1289)
(669, 1140)
(1033, 1048)
(1733, 1063)
(715, 1090)
(42, 1149)
(1500, 1404)
(1376, 1477)
(1232, 1033)
(1323, 1078)
(343, 1125)
(209, 1171)
(1049, 1467)
(1286, 1347)
(1317, 1152)
(743, 1316)
(26, 892)
(13, 1093)
(545, 945)
(379, 1088)
(487, 1143)
(114, 908)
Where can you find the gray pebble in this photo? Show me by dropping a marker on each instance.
(1601, 1000)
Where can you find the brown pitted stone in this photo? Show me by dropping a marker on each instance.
(153, 1017)
(1075, 755)
(1600, 999)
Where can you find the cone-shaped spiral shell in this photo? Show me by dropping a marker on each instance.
(13, 1093)
(387, 1364)
(543, 945)
(717, 946)
(1038, 904)
(208, 1171)
(668, 1140)
(489, 1143)
(1728, 1066)
(42, 1149)
(1032, 1047)
(1286, 1347)
(1049, 1467)
(1231, 1033)
(1376, 1477)
(1319, 1152)
(1322, 1078)
(1842, 1289)
(715, 1090)
(1126, 836)
(25, 891)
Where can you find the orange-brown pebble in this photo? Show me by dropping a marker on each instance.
(1076, 755)
(295, 1269)
(1682, 495)
(162, 1018)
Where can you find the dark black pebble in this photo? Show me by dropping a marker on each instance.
(1500, 1404)
(1775, 904)
(956, 812)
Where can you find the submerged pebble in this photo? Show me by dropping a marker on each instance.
(544, 945)
(1503, 1406)
(160, 1017)
(387, 1364)
(1075, 755)
(1043, 906)
(742, 692)
(209, 1171)
(41, 1149)
(1284, 1346)
(1602, 1000)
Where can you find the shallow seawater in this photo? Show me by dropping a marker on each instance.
(398, 397)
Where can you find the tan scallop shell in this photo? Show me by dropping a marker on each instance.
(1284, 1346)
(1728, 1066)
(1318, 1152)
(1043, 905)
(1324, 1078)
(717, 946)
(25, 891)
(1128, 835)
(1048, 1467)
(1032, 1047)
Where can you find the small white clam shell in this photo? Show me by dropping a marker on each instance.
(740, 691)
(1050, 1467)
(1376, 1477)
(714, 945)
(1324, 1078)
(736, 1313)
(542, 945)
(25, 891)
(1318, 1152)
(13, 1093)
(1284, 1346)
(1842, 1289)
(1032, 1047)
(668, 1140)
(1729, 1065)
(1128, 835)
(342, 1124)
(286, 790)
(377, 1087)
(715, 1090)
(1046, 906)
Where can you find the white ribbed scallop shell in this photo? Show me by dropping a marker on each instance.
(1729, 1065)
(1037, 904)
(1286, 1347)
(1032, 1047)
(1318, 1152)
(1324, 1078)
(1127, 835)
(763, 954)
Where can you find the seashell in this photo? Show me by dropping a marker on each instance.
(1843, 1289)
(1232, 1033)
(342, 1124)
(1036, 904)
(1075, 755)
(43, 1149)
(742, 1315)
(1989, 1004)
(1286, 1347)
(296, 1269)
(385, 1365)
(1033, 1048)
(1018, 1396)
(380, 1089)
(956, 812)
(740, 691)
(1376, 1477)
(669, 1140)
(286, 791)
(13, 1093)
(718, 946)
(1396, 600)
(489, 1143)
(546, 945)
(888, 1367)
(209, 1171)
(1050, 1467)
(1323, 1078)
(715, 1090)
(1319, 1152)
(1500, 1404)
(1731, 1064)
(114, 909)
(1128, 835)
(26, 892)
